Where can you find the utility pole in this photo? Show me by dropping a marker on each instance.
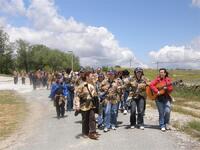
(72, 59)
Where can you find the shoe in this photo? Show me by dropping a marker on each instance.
(132, 127)
(97, 133)
(125, 112)
(142, 127)
(163, 129)
(114, 128)
(168, 127)
(105, 130)
(93, 136)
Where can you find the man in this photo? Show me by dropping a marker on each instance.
(137, 86)
(163, 100)
(58, 94)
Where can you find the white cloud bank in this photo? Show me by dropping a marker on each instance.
(187, 56)
(196, 3)
(94, 45)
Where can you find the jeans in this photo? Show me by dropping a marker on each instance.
(69, 101)
(124, 103)
(100, 114)
(110, 115)
(139, 105)
(164, 109)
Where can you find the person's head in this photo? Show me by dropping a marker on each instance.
(163, 72)
(98, 70)
(125, 73)
(138, 72)
(85, 76)
(101, 77)
(111, 75)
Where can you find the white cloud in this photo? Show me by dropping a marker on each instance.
(196, 3)
(13, 7)
(187, 56)
(94, 45)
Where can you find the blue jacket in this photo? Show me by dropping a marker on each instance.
(56, 86)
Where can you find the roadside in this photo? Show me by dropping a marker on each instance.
(12, 112)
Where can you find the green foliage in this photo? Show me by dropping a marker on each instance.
(6, 60)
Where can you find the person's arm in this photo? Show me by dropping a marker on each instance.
(169, 87)
(153, 86)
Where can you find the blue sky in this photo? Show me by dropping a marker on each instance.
(142, 26)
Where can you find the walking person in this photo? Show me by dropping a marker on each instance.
(15, 73)
(138, 98)
(163, 100)
(85, 92)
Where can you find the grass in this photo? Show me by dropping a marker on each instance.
(12, 112)
(184, 111)
(194, 125)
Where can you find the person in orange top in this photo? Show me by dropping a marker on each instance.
(163, 101)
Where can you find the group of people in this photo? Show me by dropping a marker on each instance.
(105, 93)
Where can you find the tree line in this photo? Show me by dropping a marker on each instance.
(21, 55)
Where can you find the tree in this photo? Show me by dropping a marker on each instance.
(23, 50)
(6, 51)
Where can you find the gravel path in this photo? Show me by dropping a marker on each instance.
(43, 131)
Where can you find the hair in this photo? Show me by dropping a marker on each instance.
(167, 73)
(85, 75)
(125, 72)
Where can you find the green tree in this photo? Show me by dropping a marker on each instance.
(6, 53)
(23, 50)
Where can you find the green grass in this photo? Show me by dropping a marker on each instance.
(194, 125)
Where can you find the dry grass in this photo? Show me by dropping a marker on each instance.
(12, 112)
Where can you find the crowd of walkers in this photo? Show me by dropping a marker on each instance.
(39, 79)
(90, 92)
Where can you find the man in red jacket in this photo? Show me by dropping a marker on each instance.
(163, 100)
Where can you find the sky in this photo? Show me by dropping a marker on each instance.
(110, 32)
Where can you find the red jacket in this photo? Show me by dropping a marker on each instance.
(166, 80)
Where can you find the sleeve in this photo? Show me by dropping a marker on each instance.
(153, 85)
(170, 87)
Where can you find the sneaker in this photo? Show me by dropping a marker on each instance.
(125, 112)
(132, 127)
(142, 127)
(114, 128)
(163, 129)
(105, 130)
(168, 127)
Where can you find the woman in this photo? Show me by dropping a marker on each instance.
(86, 91)
(163, 100)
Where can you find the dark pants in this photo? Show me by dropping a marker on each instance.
(60, 109)
(15, 80)
(139, 105)
(23, 80)
(88, 122)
